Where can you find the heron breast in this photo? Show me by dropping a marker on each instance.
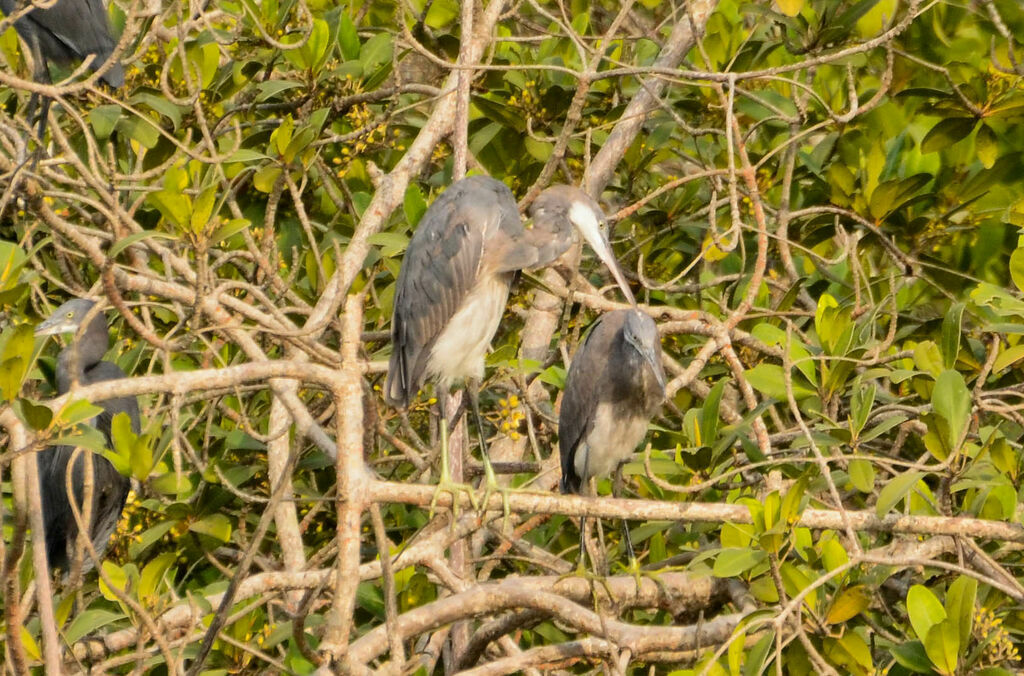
(460, 349)
(612, 440)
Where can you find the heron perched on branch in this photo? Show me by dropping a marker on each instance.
(68, 31)
(615, 386)
(82, 362)
(455, 279)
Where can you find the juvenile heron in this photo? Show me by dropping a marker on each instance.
(615, 386)
(455, 278)
(82, 362)
(69, 31)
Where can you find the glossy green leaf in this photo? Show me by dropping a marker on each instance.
(924, 610)
(217, 526)
(952, 401)
(947, 132)
(960, 605)
(943, 646)
(733, 562)
(895, 490)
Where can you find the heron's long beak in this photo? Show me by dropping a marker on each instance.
(54, 326)
(585, 220)
(652, 359)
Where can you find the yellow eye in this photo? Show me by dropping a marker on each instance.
(70, 315)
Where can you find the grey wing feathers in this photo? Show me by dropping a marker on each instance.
(71, 30)
(105, 370)
(440, 267)
(579, 404)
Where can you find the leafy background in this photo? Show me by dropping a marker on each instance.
(821, 208)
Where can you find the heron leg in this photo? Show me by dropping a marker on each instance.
(445, 482)
(634, 564)
(492, 485)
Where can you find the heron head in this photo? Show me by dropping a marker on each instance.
(569, 203)
(67, 318)
(641, 333)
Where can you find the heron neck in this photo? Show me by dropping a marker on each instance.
(82, 353)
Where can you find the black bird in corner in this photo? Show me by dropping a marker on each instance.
(69, 31)
(615, 386)
(82, 361)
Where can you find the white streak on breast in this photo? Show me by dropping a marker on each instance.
(460, 350)
(612, 441)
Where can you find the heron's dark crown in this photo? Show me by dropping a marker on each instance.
(639, 330)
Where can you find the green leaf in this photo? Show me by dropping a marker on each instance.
(891, 195)
(217, 526)
(895, 490)
(313, 51)
(103, 120)
(124, 242)
(375, 52)
(175, 206)
(202, 210)
(142, 130)
(924, 610)
(850, 603)
(12, 372)
(769, 379)
(911, 655)
(862, 476)
(88, 622)
(12, 259)
(709, 414)
(118, 580)
(36, 416)
(952, 402)
(1008, 357)
(928, 357)
(850, 651)
(229, 230)
(943, 646)
(860, 407)
(952, 326)
(790, 7)
(960, 605)
(947, 132)
(348, 38)
(153, 574)
(282, 136)
(1017, 268)
(732, 562)
(266, 178)
(78, 411)
(987, 146)
(414, 205)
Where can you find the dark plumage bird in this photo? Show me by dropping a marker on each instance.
(82, 361)
(456, 274)
(69, 31)
(615, 386)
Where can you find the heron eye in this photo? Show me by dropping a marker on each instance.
(70, 315)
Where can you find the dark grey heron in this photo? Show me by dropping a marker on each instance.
(615, 386)
(69, 31)
(455, 279)
(82, 362)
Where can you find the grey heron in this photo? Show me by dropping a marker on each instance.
(68, 31)
(455, 278)
(82, 362)
(614, 387)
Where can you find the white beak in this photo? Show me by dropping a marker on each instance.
(586, 221)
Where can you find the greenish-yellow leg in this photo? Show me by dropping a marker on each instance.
(444, 482)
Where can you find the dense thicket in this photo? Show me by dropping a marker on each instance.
(819, 201)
